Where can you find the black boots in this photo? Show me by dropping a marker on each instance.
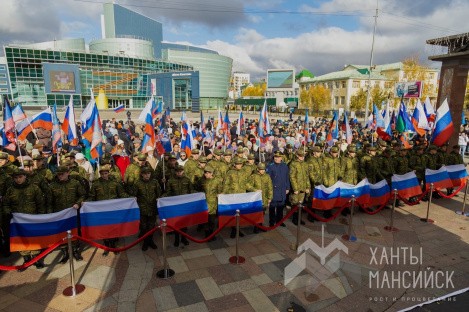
(145, 244)
(257, 230)
(106, 252)
(64, 256)
(77, 253)
(26, 260)
(184, 241)
(176, 239)
(233, 232)
(148, 242)
(112, 244)
(39, 263)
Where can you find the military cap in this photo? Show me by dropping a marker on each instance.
(195, 151)
(411, 143)
(105, 162)
(239, 151)
(238, 161)
(62, 169)
(103, 169)
(28, 163)
(289, 146)
(278, 154)
(218, 152)
(251, 156)
(372, 148)
(382, 143)
(209, 169)
(261, 166)
(433, 147)
(172, 156)
(419, 148)
(38, 157)
(178, 167)
(227, 153)
(18, 171)
(145, 169)
(137, 153)
(107, 156)
(3, 156)
(142, 157)
(66, 162)
(69, 155)
(202, 159)
(446, 143)
(388, 150)
(403, 148)
(394, 143)
(456, 146)
(367, 145)
(334, 149)
(316, 149)
(167, 154)
(300, 153)
(351, 149)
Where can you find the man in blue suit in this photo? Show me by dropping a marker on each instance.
(279, 174)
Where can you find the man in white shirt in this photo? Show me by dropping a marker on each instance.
(82, 162)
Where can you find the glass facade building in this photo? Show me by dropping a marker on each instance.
(121, 77)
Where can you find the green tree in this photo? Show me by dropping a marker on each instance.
(305, 99)
(378, 95)
(358, 101)
(320, 97)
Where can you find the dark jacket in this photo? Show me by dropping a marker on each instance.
(280, 175)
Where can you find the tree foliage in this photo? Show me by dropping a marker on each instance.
(254, 90)
(415, 70)
(316, 98)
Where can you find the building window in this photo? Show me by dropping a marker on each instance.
(2, 67)
(336, 100)
(3, 90)
(3, 75)
(344, 84)
(342, 100)
(356, 84)
(3, 83)
(337, 85)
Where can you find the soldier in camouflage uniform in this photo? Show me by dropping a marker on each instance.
(66, 193)
(369, 167)
(236, 182)
(386, 166)
(288, 155)
(159, 167)
(192, 163)
(415, 163)
(401, 162)
(349, 167)
(74, 175)
(249, 165)
(332, 169)
(215, 161)
(239, 154)
(114, 171)
(429, 160)
(179, 185)
(316, 174)
(262, 181)
(148, 192)
(24, 197)
(225, 165)
(443, 160)
(41, 169)
(132, 173)
(39, 181)
(299, 180)
(211, 186)
(454, 157)
(104, 189)
(5, 164)
(6, 181)
(198, 172)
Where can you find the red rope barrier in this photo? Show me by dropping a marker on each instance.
(85, 240)
(331, 218)
(414, 203)
(452, 195)
(201, 240)
(377, 210)
(37, 258)
(270, 227)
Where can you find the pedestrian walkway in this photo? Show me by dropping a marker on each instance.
(206, 281)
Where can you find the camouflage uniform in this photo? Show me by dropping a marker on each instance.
(23, 198)
(386, 166)
(415, 163)
(191, 164)
(332, 170)
(264, 183)
(401, 164)
(147, 193)
(211, 187)
(6, 181)
(288, 158)
(198, 172)
(455, 158)
(249, 168)
(43, 171)
(299, 180)
(349, 166)
(236, 181)
(369, 168)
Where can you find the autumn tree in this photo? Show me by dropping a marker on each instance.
(254, 90)
(305, 99)
(377, 96)
(414, 70)
(318, 96)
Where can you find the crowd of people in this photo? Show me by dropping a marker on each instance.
(285, 164)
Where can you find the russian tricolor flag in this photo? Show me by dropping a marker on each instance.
(429, 111)
(440, 178)
(69, 124)
(407, 185)
(385, 132)
(149, 134)
(42, 119)
(325, 198)
(379, 193)
(119, 108)
(443, 125)
(18, 113)
(419, 119)
(33, 232)
(361, 192)
(183, 210)
(110, 218)
(457, 174)
(249, 205)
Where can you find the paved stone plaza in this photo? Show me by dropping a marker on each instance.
(206, 281)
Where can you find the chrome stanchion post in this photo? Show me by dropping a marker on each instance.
(166, 273)
(298, 228)
(428, 208)
(237, 259)
(462, 212)
(75, 289)
(391, 228)
(350, 237)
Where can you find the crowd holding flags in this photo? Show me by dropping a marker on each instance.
(69, 125)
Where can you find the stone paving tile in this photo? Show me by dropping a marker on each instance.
(196, 307)
(222, 255)
(107, 302)
(220, 275)
(217, 244)
(335, 286)
(209, 288)
(239, 286)
(177, 264)
(146, 302)
(101, 278)
(25, 305)
(196, 253)
(272, 271)
(244, 308)
(191, 275)
(298, 282)
(336, 229)
(259, 301)
(273, 288)
(285, 301)
(45, 294)
(276, 256)
(226, 302)
(261, 279)
(164, 298)
(308, 295)
(260, 259)
(6, 299)
(187, 293)
(63, 303)
(202, 262)
(236, 271)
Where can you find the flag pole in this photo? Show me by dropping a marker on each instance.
(19, 148)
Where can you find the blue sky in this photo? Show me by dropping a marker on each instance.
(259, 35)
